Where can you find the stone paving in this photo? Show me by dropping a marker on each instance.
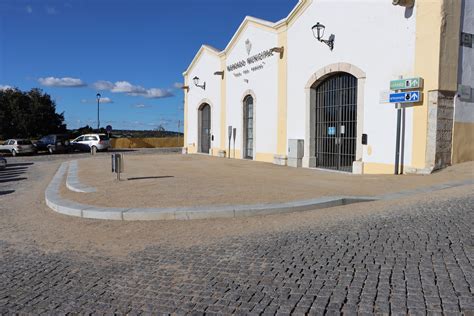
(416, 261)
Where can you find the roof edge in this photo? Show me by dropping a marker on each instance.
(203, 48)
(272, 26)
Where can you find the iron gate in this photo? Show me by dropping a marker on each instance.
(248, 127)
(205, 130)
(336, 122)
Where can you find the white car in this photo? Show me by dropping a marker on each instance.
(91, 142)
(18, 146)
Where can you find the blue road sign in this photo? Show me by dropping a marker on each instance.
(405, 97)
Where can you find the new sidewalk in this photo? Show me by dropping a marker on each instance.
(194, 186)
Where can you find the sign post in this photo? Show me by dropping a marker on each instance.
(406, 97)
(108, 129)
(229, 133)
(406, 84)
(401, 98)
(234, 135)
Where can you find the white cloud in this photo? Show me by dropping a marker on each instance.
(127, 87)
(178, 85)
(141, 106)
(29, 9)
(51, 10)
(103, 100)
(106, 100)
(103, 85)
(156, 93)
(61, 82)
(133, 90)
(5, 87)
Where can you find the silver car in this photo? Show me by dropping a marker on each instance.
(91, 142)
(18, 146)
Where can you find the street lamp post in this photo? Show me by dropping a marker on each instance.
(98, 121)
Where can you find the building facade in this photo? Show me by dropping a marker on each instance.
(297, 97)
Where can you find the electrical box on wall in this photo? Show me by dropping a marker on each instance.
(466, 39)
(364, 139)
(295, 152)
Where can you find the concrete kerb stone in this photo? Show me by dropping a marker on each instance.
(72, 180)
(56, 203)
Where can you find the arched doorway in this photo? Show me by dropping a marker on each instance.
(248, 128)
(204, 128)
(335, 127)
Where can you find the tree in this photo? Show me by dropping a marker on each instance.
(28, 114)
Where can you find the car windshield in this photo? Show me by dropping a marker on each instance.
(46, 139)
(103, 137)
(23, 142)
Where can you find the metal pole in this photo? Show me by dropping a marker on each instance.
(98, 121)
(397, 145)
(398, 106)
(402, 154)
(229, 131)
(234, 133)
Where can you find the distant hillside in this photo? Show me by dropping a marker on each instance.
(143, 134)
(121, 133)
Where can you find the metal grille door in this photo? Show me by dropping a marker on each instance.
(248, 127)
(336, 122)
(205, 128)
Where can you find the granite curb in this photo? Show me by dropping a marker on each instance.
(66, 207)
(72, 180)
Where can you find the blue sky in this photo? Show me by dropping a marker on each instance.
(135, 51)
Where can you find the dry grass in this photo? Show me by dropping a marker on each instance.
(146, 142)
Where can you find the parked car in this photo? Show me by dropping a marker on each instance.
(91, 142)
(54, 143)
(3, 163)
(18, 146)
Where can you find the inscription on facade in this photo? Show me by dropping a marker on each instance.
(256, 63)
(251, 60)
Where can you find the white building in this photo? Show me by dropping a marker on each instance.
(278, 86)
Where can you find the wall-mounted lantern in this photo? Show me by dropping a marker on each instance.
(279, 50)
(318, 32)
(404, 3)
(196, 83)
(220, 73)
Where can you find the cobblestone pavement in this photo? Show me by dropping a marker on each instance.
(416, 261)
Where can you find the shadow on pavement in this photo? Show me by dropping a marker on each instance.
(13, 172)
(9, 170)
(145, 178)
(6, 192)
(18, 164)
(12, 179)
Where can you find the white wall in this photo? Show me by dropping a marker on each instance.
(262, 82)
(464, 111)
(204, 68)
(373, 35)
